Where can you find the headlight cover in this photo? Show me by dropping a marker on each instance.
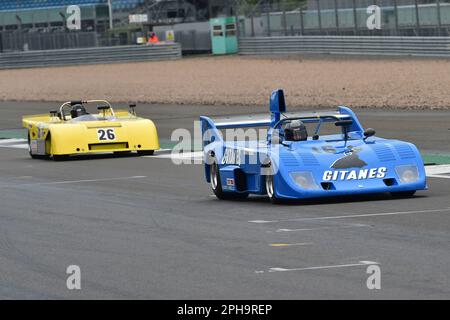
(305, 180)
(407, 173)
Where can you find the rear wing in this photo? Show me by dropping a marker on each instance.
(210, 127)
(30, 120)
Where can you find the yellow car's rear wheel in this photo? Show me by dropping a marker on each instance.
(34, 156)
(121, 153)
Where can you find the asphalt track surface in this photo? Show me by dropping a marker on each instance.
(145, 228)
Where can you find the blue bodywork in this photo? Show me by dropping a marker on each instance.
(327, 165)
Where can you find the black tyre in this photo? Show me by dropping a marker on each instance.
(403, 194)
(146, 152)
(60, 157)
(121, 153)
(270, 189)
(216, 185)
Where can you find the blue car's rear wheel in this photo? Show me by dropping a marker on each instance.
(216, 185)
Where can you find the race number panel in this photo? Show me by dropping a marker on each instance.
(106, 134)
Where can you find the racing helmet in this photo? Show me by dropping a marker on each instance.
(295, 131)
(78, 111)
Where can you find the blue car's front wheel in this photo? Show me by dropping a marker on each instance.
(403, 194)
(270, 189)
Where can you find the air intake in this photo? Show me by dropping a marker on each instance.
(383, 152)
(405, 151)
(288, 159)
(309, 159)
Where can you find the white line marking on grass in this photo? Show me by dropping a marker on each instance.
(354, 216)
(439, 176)
(438, 171)
(12, 141)
(360, 263)
(160, 150)
(181, 156)
(73, 181)
(15, 146)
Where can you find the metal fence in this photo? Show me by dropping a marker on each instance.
(20, 41)
(191, 40)
(66, 57)
(368, 45)
(345, 17)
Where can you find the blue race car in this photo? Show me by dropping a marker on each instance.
(306, 155)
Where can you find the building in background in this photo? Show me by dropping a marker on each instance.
(50, 15)
(42, 24)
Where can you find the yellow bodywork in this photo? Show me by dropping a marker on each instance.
(49, 135)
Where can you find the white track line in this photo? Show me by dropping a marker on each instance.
(356, 225)
(290, 244)
(353, 216)
(360, 263)
(72, 181)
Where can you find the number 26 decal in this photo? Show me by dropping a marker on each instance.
(106, 134)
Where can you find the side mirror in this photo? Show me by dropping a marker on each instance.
(368, 133)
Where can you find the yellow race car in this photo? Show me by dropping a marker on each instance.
(72, 130)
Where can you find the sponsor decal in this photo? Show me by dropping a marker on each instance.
(362, 174)
(350, 160)
(231, 156)
(230, 182)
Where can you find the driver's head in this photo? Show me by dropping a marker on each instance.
(295, 131)
(78, 111)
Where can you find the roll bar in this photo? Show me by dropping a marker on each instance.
(73, 103)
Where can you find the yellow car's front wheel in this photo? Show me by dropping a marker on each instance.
(146, 152)
(60, 157)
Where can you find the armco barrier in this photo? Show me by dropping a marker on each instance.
(65, 57)
(370, 45)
